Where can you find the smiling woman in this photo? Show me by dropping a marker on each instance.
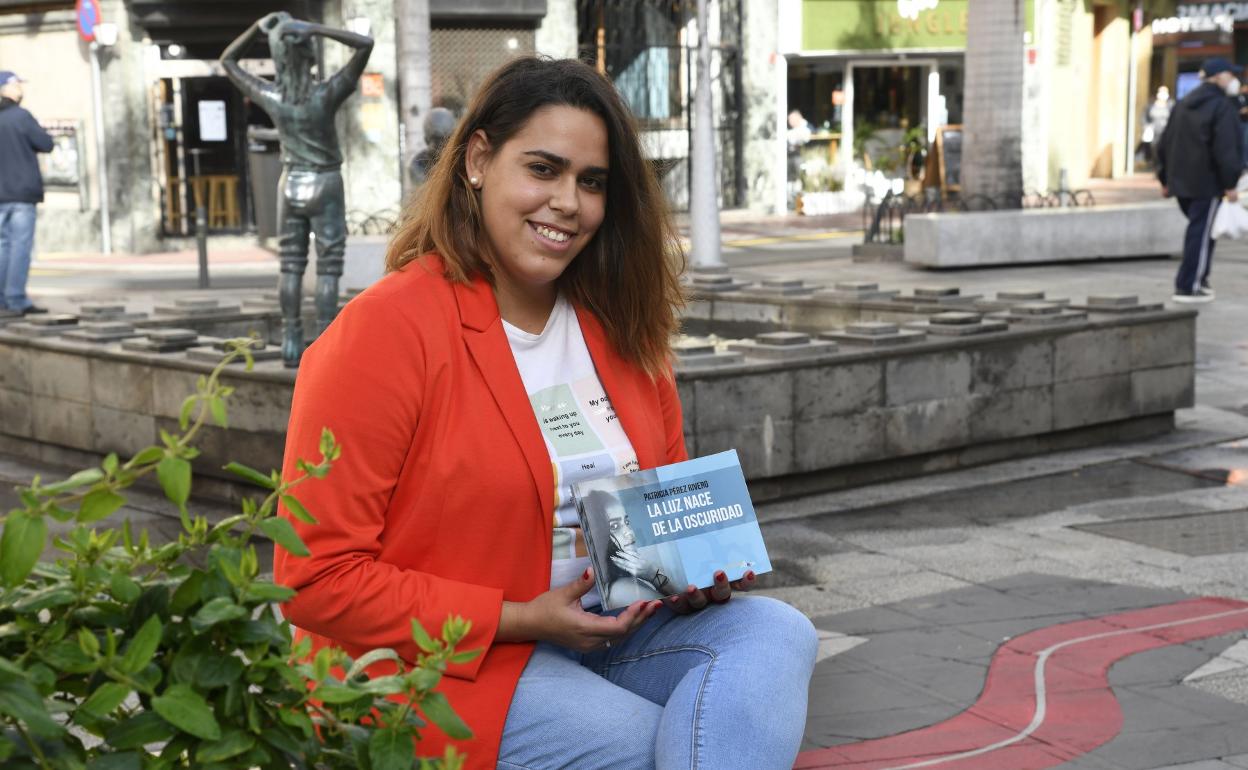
(518, 345)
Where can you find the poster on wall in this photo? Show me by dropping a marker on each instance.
(63, 166)
(212, 121)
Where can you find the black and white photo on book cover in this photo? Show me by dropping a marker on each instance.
(654, 532)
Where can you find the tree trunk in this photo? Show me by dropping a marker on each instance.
(704, 195)
(992, 151)
(411, 19)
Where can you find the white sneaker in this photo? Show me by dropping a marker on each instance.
(1200, 296)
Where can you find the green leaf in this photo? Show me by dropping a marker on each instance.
(217, 406)
(122, 587)
(110, 464)
(186, 594)
(438, 709)
(105, 700)
(281, 532)
(174, 474)
(146, 456)
(88, 643)
(19, 700)
(369, 658)
(68, 657)
(79, 479)
(20, 546)
(187, 710)
(98, 505)
(184, 414)
(139, 730)
(465, 656)
(297, 510)
(423, 640)
(391, 749)
(336, 693)
(270, 592)
(127, 760)
(218, 610)
(251, 474)
(142, 647)
(217, 671)
(231, 744)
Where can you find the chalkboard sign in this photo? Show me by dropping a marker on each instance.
(949, 158)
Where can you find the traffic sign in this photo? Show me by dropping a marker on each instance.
(87, 12)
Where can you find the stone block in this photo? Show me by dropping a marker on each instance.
(123, 432)
(965, 239)
(926, 426)
(1164, 343)
(755, 312)
(837, 389)
(15, 413)
(1093, 400)
(785, 339)
(170, 387)
(60, 375)
(845, 439)
(121, 385)
(1011, 366)
(877, 334)
(57, 421)
(1028, 295)
(1155, 391)
(1012, 414)
(15, 371)
(746, 401)
(259, 405)
(102, 331)
(968, 324)
(685, 363)
(765, 447)
(926, 377)
(788, 349)
(1092, 353)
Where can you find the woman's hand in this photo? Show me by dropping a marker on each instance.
(557, 616)
(631, 561)
(693, 599)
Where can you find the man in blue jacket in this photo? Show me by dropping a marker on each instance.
(21, 188)
(1198, 162)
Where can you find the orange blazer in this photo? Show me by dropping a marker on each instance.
(442, 501)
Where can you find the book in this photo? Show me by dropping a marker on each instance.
(652, 533)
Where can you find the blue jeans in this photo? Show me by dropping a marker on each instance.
(719, 689)
(17, 239)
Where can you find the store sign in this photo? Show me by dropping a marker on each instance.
(1237, 11)
(1181, 25)
(881, 25)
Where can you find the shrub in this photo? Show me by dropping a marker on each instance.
(124, 655)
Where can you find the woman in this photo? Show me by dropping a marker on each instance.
(519, 344)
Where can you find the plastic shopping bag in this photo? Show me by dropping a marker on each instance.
(1231, 221)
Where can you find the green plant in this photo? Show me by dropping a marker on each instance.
(123, 655)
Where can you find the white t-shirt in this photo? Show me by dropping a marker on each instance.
(583, 434)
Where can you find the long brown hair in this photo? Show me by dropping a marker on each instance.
(628, 275)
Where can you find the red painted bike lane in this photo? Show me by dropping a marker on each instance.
(1047, 698)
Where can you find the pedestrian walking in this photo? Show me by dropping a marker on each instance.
(21, 189)
(1199, 160)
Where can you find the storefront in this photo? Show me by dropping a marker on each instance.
(868, 87)
(1197, 31)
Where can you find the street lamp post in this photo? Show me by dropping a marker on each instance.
(105, 35)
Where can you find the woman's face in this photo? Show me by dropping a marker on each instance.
(543, 194)
(617, 523)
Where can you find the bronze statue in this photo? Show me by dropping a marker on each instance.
(311, 199)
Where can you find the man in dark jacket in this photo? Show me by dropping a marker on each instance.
(1198, 162)
(21, 188)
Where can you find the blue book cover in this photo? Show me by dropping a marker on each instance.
(654, 532)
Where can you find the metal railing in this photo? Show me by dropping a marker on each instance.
(885, 222)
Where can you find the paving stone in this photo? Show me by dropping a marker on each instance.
(1190, 534)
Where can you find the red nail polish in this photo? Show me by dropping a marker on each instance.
(720, 577)
(585, 575)
(691, 591)
(749, 575)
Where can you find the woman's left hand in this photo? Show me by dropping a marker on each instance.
(693, 599)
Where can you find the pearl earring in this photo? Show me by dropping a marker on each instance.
(474, 181)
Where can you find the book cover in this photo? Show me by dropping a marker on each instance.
(654, 532)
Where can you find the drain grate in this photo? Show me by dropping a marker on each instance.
(1193, 535)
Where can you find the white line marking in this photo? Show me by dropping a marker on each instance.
(1233, 658)
(1041, 694)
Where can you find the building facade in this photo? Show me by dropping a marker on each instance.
(173, 125)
